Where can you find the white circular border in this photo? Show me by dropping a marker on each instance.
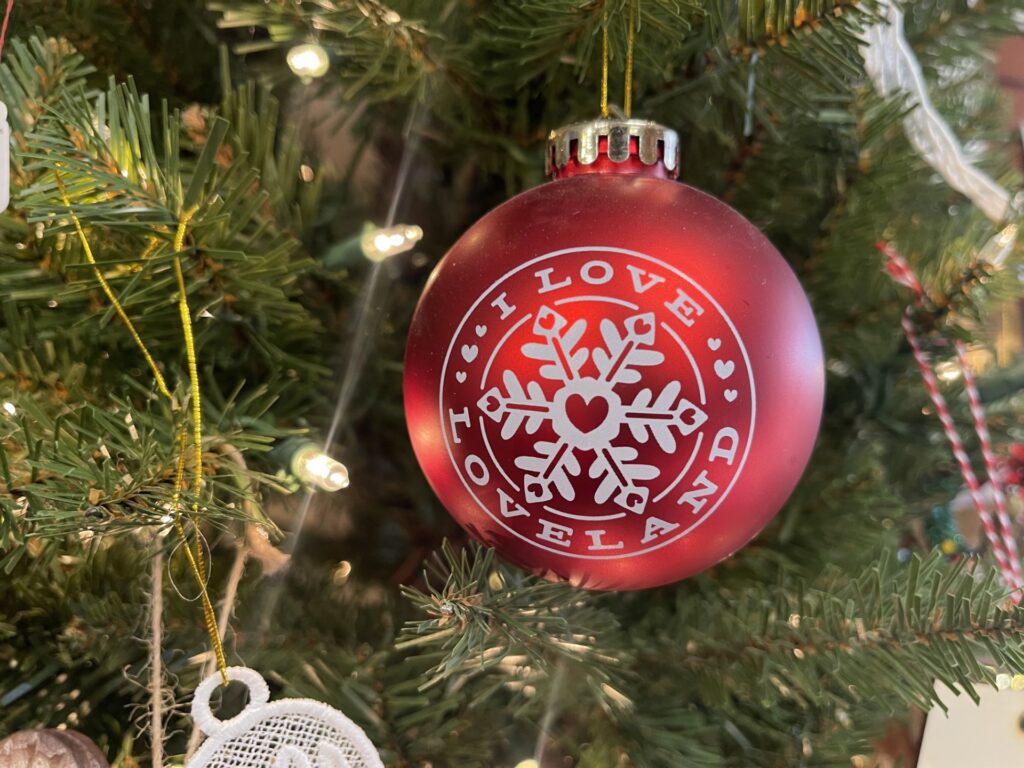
(678, 273)
(209, 723)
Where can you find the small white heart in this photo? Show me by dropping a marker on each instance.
(714, 344)
(469, 352)
(731, 394)
(723, 368)
(481, 330)
(460, 376)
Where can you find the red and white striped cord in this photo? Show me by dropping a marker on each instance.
(1004, 547)
(991, 465)
(1009, 570)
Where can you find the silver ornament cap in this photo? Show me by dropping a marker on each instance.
(613, 145)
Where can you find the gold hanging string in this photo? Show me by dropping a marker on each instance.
(630, 40)
(161, 383)
(190, 354)
(196, 560)
(604, 64)
(196, 563)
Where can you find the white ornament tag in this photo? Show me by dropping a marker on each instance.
(5, 159)
(983, 735)
(291, 733)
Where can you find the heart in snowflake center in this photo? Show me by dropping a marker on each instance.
(587, 412)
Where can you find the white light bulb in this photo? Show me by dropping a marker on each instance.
(308, 60)
(311, 465)
(342, 572)
(1007, 235)
(9, 407)
(379, 244)
(948, 371)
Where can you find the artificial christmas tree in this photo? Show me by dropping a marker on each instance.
(190, 291)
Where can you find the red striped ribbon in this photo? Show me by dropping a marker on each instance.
(1003, 544)
(991, 465)
(3, 29)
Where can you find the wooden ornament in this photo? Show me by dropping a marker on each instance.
(50, 749)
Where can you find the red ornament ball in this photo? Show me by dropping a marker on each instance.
(613, 378)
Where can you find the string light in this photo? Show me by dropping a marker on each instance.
(999, 246)
(311, 465)
(9, 407)
(374, 244)
(308, 61)
(379, 244)
(948, 371)
(342, 572)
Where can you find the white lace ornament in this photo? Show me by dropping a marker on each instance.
(291, 733)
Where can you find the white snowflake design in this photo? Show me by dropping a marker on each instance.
(587, 413)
